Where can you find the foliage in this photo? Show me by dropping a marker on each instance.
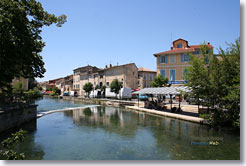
(18, 88)
(103, 89)
(56, 90)
(97, 87)
(216, 81)
(7, 152)
(88, 87)
(115, 86)
(159, 81)
(48, 89)
(21, 42)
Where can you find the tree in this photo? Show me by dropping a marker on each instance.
(56, 90)
(21, 42)
(115, 86)
(159, 81)
(88, 87)
(97, 87)
(216, 81)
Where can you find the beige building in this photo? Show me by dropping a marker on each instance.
(68, 83)
(127, 74)
(145, 77)
(172, 63)
(84, 75)
(23, 81)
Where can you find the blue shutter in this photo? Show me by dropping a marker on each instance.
(182, 57)
(165, 58)
(159, 59)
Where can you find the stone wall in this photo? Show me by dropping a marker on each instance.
(15, 117)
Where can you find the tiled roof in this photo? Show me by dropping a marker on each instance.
(117, 66)
(182, 50)
(144, 69)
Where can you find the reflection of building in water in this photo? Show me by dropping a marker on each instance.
(98, 115)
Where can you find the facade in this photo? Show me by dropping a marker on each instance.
(127, 74)
(172, 63)
(145, 77)
(22, 80)
(60, 84)
(68, 83)
(82, 76)
(43, 85)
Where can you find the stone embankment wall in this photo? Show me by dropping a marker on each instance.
(15, 117)
(108, 102)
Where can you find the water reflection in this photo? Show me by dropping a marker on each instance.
(172, 136)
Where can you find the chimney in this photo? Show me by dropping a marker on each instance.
(106, 67)
(171, 48)
(208, 43)
(110, 65)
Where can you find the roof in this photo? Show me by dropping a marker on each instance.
(145, 69)
(118, 66)
(182, 50)
(180, 39)
(164, 90)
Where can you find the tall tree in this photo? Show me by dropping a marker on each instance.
(115, 86)
(20, 39)
(216, 80)
(88, 87)
(159, 81)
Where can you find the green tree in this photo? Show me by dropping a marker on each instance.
(216, 81)
(56, 90)
(88, 87)
(97, 87)
(21, 42)
(115, 86)
(159, 81)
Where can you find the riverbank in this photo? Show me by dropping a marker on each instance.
(171, 115)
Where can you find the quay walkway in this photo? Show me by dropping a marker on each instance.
(168, 114)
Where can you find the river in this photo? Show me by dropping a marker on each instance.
(110, 133)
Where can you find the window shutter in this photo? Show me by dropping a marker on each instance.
(165, 58)
(182, 57)
(159, 59)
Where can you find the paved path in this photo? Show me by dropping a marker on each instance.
(168, 114)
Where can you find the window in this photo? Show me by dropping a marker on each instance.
(144, 76)
(163, 73)
(150, 77)
(197, 52)
(107, 73)
(185, 57)
(115, 72)
(163, 59)
(107, 84)
(179, 46)
(172, 59)
(172, 75)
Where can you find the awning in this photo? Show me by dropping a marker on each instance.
(164, 90)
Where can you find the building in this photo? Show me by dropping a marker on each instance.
(60, 82)
(43, 85)
(68, 83)
(84, 75)
(127, 74)
(145, 77)
(172, 63)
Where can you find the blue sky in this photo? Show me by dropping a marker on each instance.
(100, 32)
